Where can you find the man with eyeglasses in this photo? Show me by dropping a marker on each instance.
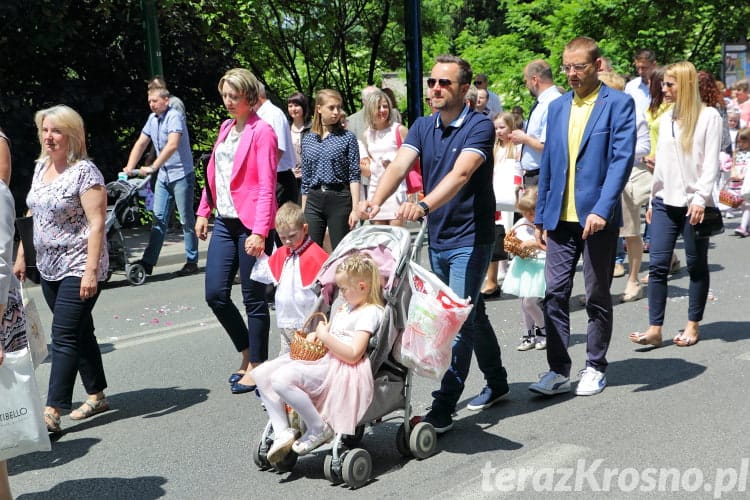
(587, 159)
(538, 78)
(455, 147)
(493, 100)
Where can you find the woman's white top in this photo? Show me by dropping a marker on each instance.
(683, 178)
(224, 162)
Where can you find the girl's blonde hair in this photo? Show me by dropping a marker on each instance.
(510, 122)
(320, 99)
(527, 201)
(359, 266)
(70, 124)
(688, 105)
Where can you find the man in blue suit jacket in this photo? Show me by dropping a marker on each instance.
(586, 162)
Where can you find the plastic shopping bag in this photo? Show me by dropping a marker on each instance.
(34, 330)
(22, 428)
(435, 316)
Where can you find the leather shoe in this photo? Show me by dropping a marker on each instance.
(235, 377)
(188, 269)
(238, 388)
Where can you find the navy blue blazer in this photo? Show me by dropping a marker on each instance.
(603, 162)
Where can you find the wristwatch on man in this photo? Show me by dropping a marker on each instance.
(424, 206)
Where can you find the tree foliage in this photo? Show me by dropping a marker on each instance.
(90, 54)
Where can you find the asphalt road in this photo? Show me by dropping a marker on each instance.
(671, 424)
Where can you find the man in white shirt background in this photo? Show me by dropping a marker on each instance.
(538, 78)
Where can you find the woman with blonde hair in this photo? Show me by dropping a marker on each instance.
(687, 164)
(241, 187)
(382, 138)
(68, 205)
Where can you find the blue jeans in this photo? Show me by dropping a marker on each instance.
(464, 269)
(226, 254)
(74, 348)
(165, 193)
(667, 223)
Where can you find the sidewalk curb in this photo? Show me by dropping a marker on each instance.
(172, 251)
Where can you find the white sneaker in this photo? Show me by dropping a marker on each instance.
(282, 443)
(540, 343)
(527, 343)
(309, 442)
(551, 383)
(592, 382)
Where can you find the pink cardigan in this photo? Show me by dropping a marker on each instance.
(253, 182)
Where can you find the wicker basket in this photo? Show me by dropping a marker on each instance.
(730, 199)
(513, 245)
(302, 349)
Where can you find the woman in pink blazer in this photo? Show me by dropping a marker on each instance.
(241, 184)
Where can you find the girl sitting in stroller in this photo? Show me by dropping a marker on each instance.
(332, 393)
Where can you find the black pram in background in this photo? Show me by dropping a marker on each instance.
(122, 210)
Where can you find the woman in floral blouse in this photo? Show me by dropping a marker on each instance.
(68, 204)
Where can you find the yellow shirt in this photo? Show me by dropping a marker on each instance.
(580, 112)
(653, 124)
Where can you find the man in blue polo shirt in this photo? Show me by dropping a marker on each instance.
(455, 147)
(175, 181)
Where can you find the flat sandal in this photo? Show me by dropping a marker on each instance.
(89, 408)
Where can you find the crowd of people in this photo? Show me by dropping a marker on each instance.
(572, 180)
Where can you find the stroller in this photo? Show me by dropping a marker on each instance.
(391, 248)
(122, 209)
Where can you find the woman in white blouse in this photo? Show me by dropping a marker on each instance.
(687, 163)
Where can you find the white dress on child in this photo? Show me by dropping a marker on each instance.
(341, 391)
(525, 277)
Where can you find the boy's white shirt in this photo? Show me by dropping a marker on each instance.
(294, 303)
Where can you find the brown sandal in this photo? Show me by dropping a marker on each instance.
(52, 421)
(89, 408)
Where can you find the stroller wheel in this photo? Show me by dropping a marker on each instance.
(259, 456)
(402, 442)
(136, 274)
(422, 440)
(356, 468)
(352, 440)
(333, 476)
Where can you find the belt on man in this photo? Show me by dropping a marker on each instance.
(330, 187)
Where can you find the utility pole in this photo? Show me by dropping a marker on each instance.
(412, 21)
(151, 29)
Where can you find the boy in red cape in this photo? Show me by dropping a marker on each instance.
(292, 268)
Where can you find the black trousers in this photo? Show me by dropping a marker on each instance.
(328, 209)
